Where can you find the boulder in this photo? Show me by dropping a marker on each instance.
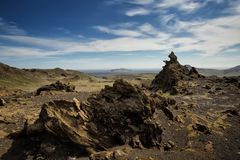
(58, 86)
(201, 128)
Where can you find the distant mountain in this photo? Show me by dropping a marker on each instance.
(235, 71)
(121, 70)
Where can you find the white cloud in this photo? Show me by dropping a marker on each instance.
(24, 52)
(37, 41)
(141, 2)
(150, 6)
(119, 32)
(80, 36)
(137, 12)
(213, 36)
(10, 28)
(147, 28)
(124, 25)
(234, 7)
(166, 18)
(151, 31)
(205, 37)
(183, 5)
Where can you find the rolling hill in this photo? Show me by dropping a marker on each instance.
(231, 72)
(12, 77)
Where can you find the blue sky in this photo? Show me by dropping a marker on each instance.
(106, 34)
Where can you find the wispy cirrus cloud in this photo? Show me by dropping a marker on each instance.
(204, 37)
(39, 41)
(10, 28)
(213, 36)
(118, 32)
(155, 6)
(234, 7)
(137, 12)
(183, 5)
(136, 2)
(145, 30)
(141, 2)
(14, 51)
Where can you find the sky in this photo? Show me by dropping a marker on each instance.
(107, 34)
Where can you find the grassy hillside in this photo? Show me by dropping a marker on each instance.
(12, 77)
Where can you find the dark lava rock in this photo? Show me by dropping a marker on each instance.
(207, 87)
(201, 128)
(2, 102)
(173, 72)
(58, 86)
(118, 115)
(231, 112)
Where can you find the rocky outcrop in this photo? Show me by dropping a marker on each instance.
(118, 115)
(167, 80)
(58, 86)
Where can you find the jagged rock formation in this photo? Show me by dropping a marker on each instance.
(173, 72)
(118, 115)
(58, 86)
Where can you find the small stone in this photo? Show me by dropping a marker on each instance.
(77, 103)
(169, 145)
(171, 101)
(179, 119)
(71, 158)
(136, 143)
(22, 103)
(192, 105)
(104, 155)
(208, 147)
(121, 153)
(47, 148)
(207, 87)
(118, 154)
(2, 102)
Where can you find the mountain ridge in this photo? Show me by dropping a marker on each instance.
(233, 71)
